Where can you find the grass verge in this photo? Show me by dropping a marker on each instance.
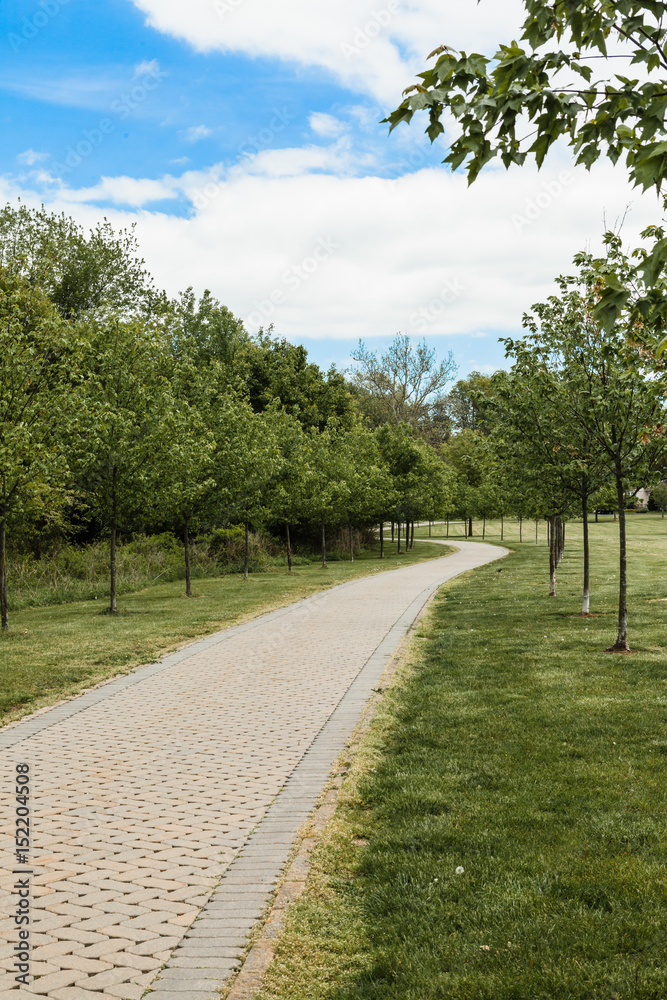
(516, 752)
(54, 652)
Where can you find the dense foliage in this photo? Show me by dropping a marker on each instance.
(124, 413)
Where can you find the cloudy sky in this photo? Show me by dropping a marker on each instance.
(244, 139)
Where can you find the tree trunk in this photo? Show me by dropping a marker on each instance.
(188, 577)
(112, 568)
(447, 526)
(663, 513)
(561, 540)
(382, 540)
(502, 527)
(412, 535)
(4, 610)
(398, 525)
(621, 644)
(246, 562)
(596, 515)
(392, 532)
(537, 532)
(324, 546)
(289, 549)
(465, 527)
(587, 562)
(407, 536)
(429, 529)
(484, 528)
(553, 547)
(469, 527)
(520, 529)
(351, 544)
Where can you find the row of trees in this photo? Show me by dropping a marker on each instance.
(121, 408)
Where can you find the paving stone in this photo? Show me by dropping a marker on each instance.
(159, 796)
(178, 985)
(163, 994)
(216, 964)
(55, 981)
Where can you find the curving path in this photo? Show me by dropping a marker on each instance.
(166, 803)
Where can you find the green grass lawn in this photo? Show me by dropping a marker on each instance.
(53, 652)
(513, 748)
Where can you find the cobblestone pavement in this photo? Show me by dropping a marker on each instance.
(145, 792)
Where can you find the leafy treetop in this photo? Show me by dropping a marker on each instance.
(590, 71)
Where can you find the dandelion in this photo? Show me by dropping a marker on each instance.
(460, 871)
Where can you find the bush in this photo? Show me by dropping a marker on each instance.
(78, 573)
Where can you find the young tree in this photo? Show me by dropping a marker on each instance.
(423, 485)
(327, 489)
(558, 457)
(287, 498)
(611, 398)
(247, 461)
(39, 369)
(659, 497)
(191, 488)
(130, 443)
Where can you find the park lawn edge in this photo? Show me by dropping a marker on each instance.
(365, 566)
(325, 951)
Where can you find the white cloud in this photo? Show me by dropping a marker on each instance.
(372, 46)
(329, 256)
(30, 157)
(123, 191)
(197, 132)
(325, 125)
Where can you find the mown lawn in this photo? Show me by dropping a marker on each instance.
(513, 749)
(53, 652)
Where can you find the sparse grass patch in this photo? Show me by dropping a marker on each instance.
(516, 750)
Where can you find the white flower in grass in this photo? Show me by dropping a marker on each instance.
(459, 870)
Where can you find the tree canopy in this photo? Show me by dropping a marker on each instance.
(591, 72)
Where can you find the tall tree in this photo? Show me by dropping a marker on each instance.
(275, 371)
(204, 328)
(92, 273)
(404, 384)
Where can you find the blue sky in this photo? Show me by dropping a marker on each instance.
(244, 139)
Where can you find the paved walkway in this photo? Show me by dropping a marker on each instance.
(146, 792)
